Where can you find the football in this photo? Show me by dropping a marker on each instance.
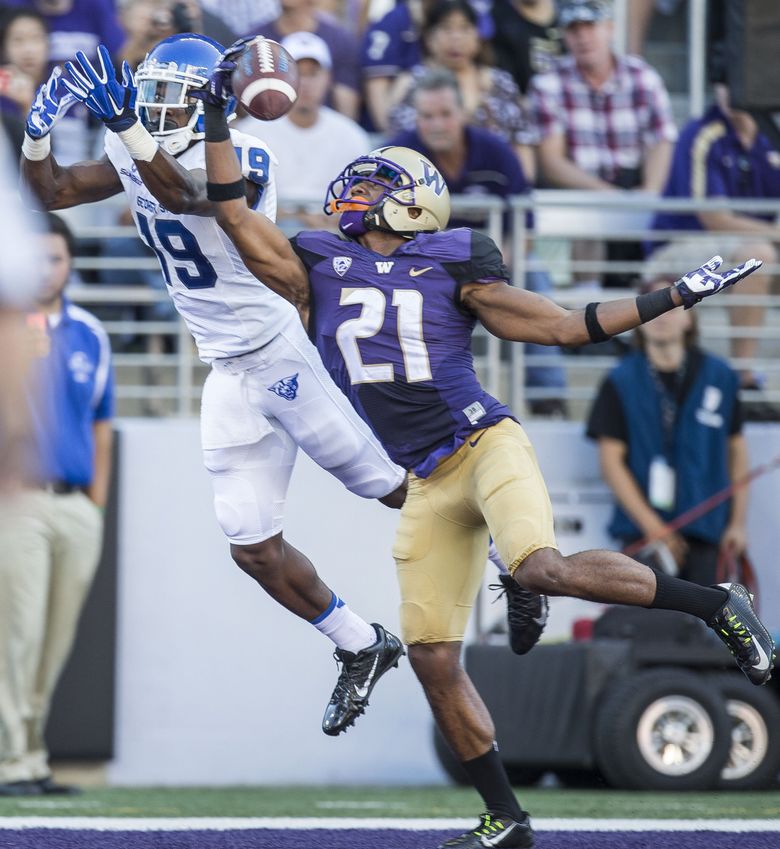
(265, 79)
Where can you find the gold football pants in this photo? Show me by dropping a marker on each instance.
(490, 486)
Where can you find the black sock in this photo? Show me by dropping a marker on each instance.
(676, 594)
(489, 777)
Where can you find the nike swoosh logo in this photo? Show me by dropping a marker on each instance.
(762, 664)
(473, 442)
(362, 692)
(496, 839)
(416, 272)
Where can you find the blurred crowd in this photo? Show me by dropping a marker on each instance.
(502, 95)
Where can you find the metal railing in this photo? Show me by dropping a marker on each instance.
(158, 371)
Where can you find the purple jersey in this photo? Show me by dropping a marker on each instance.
(396, 340)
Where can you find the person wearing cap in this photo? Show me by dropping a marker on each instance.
(604, 121)
(668, 423)
(306, 16)
(308, 127)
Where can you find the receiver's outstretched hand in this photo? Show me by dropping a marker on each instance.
(705, 281)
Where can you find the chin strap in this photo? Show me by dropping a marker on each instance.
(374, 219)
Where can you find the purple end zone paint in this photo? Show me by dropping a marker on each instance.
(34, 838)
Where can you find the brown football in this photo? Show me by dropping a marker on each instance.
(265, 79)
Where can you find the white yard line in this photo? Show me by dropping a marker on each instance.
(334, 823)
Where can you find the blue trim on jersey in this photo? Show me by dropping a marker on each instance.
(70, 388)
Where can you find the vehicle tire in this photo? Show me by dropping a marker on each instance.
(523, 776)
(662, 729)
(754, 758)
(580, 779)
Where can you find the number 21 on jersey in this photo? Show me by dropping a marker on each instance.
(409, 331)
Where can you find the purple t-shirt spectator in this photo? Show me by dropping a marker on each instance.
(343, 46)
(491, 169)
(711, 162)
(392, 44)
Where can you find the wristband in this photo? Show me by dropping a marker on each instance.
(139, 142)
(595, 330)
(216, 125)
(36, 149)
(218, 192)
(652, 304)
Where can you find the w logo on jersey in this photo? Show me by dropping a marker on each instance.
(287, 387)
(432, 177)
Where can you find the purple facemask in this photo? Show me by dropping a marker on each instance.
(351, 223)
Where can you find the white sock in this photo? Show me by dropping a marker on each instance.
(495, 559)
(347, 630)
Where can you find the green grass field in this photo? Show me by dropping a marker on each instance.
(387, 802)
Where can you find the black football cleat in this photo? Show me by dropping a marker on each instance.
(493, 830)
(526, 613)
(358, 677)
(745, 636)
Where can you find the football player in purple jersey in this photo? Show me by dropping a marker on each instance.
(391, 303)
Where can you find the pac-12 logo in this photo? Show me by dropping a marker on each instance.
(432, 177)
(341, 264)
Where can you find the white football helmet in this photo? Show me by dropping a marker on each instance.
(415, 197)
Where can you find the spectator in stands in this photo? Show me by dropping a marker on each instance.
(76, 25)
(491, 98)
(527, 38)
(192, 16)
(50, 539)
(393, 44)
(146, 23)
(24, 61)
(604, 121)
(243, 15)
(592, 90)
(18, 284)
(303, 15)
(640, 14)
(308, 126)
(476, 162)
(669, 428)
(723, 154)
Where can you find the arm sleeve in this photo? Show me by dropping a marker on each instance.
(606, 415)
(737, 418)
(484, 263)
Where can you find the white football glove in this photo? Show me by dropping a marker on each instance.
(704, 282)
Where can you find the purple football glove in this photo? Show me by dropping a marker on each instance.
(704, 282)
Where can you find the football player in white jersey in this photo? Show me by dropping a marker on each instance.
(267, 392)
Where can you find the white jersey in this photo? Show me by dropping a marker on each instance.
(228, 311)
